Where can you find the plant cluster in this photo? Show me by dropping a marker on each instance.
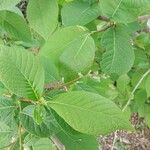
(71, 71)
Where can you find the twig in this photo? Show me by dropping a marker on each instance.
(52, 86)
(107, 26)
(56, 86)
(104, 28)
(27, 101)
(145, 17)
(135, 88)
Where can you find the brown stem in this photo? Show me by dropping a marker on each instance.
(27, 101)
(73, 81)
(52, 86)
(109, 25)
(57, 86)
(145, 17)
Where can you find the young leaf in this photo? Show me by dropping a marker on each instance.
(15, 26)
(38, 114)
(43, 16)
(21, 72)
(79, 13)
(89, 113)
(119, 55)
(124, 10)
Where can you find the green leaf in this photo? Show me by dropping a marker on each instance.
(44, 143)
(2, 89)
(89, 113)
(136, 77)
(147, 86)
(43, 16)
(57, 42)
(140, 102)
(141, 59)
(79, 13)
(72, 139)
(15, 26)
(38, 143)
(102, 86)
(38, 114)
(7, 108)
(122, 83)
(8, 4)
(73, 53)
(78, 142)
(119, 55)
(21, 72)
(6, 134)
(48, 127)
(79, 54)
(124, 10)
(50, 69)
(8, 125)
(90, 1)
(142, 105)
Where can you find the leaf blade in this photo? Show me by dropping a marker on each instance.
(119, 56)
(78, 109)
(27, 75)
(15, 26)
(79, 13)
(124, 11)
(44, 21)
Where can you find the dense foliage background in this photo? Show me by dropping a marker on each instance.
(71, 71)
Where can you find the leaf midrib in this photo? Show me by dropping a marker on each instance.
(82, 44)
(115, 11)
(76, 107)
(26, 79)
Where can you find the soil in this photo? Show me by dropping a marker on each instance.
(121, 140)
